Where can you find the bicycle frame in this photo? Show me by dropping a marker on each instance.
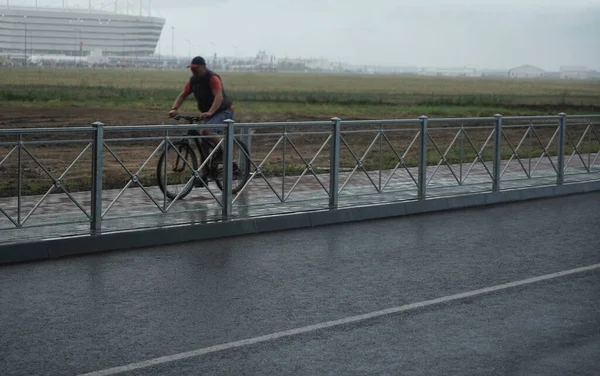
(209, 160)
(198, 139)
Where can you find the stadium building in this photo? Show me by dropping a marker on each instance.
(34, 33)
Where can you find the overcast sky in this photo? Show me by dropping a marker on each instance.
(478, 33)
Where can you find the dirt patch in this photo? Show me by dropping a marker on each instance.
(11, 117)
(37, 117)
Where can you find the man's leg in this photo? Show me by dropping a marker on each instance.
(217, 118)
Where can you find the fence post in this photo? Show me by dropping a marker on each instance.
(334, 163)
(423, 157)
(19, 178)
(228, 169)
(497, 152)
(562, 139)
(96, 191)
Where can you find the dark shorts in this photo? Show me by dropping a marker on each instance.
(219, 118)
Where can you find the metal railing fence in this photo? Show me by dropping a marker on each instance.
(342, 159)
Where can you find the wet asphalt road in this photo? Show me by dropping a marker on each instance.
(70, 316)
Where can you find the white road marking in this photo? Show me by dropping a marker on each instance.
(330, 324)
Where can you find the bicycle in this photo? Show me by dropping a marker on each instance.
(214, 164)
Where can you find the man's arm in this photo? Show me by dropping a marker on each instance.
(217, 90)
(180, 98)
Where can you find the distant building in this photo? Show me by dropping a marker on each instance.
(594, 75)
(552, 75)
(409, 69)
(526, 71)
(574, 73)
(494, 73)
(449, 72)
(29, 32)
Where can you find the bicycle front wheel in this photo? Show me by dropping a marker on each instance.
(175, 170)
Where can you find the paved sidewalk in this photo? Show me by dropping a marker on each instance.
(59, 216)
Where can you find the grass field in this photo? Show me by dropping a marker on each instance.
(302, 94)
(51, 98)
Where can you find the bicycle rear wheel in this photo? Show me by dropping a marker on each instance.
(179, 170)
(241, 167)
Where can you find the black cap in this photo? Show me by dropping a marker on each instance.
(196, 62)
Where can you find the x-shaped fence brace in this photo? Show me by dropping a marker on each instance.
(134, 177)
(196, 175)
(308, 167)
(381, 136)
(17, 222)
(444, 160)
(56, 184)
(401, 159)
(588, 130)
(258, 168)
(530, 131)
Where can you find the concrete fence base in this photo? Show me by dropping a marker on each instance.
(77, 245)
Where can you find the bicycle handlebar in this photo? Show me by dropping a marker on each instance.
(191, 119)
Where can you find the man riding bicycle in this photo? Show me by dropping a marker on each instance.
(213, 104)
